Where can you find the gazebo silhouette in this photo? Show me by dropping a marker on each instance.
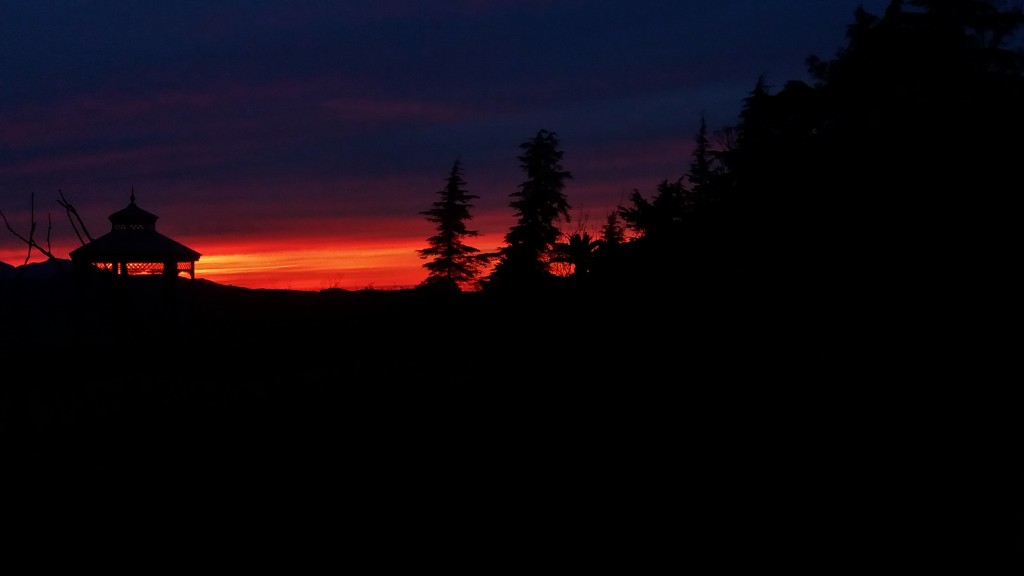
(134, 247)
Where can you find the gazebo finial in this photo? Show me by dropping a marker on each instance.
(132, 198)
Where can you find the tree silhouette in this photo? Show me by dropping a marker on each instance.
(678, 230)
(892, 172)
(539, 203)
(610, 250)
(453, 264)
(578, 251)
(701, 172)
(918, 106)
(659, 218)
(772, 215)
(612, 233)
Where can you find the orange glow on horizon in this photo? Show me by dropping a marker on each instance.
(290, 263)
(384, 265)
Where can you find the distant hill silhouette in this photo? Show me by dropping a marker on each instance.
(45, 270)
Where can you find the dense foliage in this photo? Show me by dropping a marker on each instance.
(898, 161)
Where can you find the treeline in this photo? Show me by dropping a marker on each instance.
(898, 159)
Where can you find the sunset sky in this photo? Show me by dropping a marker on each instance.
(294, 144)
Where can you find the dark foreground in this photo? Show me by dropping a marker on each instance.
(164, 372)
(604, 427)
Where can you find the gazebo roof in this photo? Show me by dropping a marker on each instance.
(133, 238)
(134, 246)
(132, 214)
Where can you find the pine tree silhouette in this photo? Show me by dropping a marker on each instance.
(539, 203)
(453, 263)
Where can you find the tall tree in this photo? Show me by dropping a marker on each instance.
(453, 264)
(539, 204)
(701, 167)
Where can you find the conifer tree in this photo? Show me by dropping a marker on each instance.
(700, 173)
(453, 264)
(612, 233)
(539, 203)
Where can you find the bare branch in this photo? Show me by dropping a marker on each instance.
(32, 227)
(30, 241)
(70, 211)
(49, 229)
